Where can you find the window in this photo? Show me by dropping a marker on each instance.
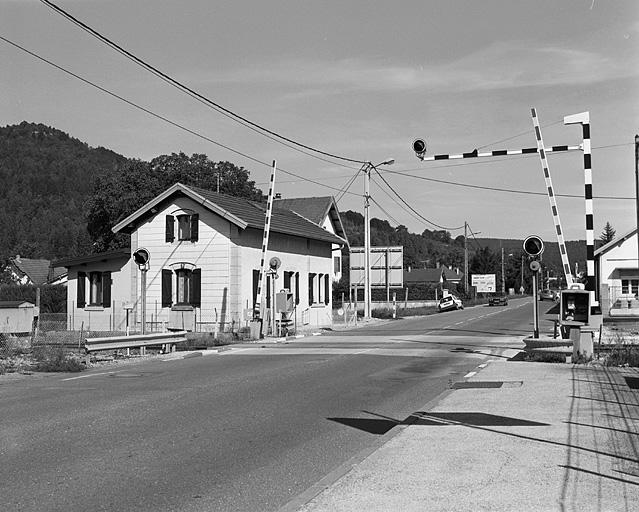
(318, 289)
(630, 286)
(99, 284)
(337, 264)
(187, 227)
(292, 284)
(188, 285)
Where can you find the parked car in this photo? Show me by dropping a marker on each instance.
(498, 300)
(449, 302)
(549, 295)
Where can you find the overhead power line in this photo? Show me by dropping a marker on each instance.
(413, 209)
(194, 94)
(161, 117)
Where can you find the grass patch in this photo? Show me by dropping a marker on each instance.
(545, 357)
(50, 358)
(401, 312)
(623, 354)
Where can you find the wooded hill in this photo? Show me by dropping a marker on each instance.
(46, 176)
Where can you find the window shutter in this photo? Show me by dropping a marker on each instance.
(106, 289)
(256, 282)
(167, 288)
(297, 288)
(311, 278)
(81, 295)
(170, 229)
(268, 292)
(195, 218)
(327, 289)
(196, 287)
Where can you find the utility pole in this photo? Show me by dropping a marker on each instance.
(522, 275)
(366, 168)
(503, 277)
(637, 188)
(367, 241)
(466, 258)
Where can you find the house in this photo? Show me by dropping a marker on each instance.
(617, 276)
(35, 271)
(322, 211)
(99, 289)
(205, 250)
(431, 276)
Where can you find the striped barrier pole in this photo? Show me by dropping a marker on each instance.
(583, 118)
(257, 307)
(551, 197)
(500, 152)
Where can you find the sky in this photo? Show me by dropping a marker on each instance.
(359, 80)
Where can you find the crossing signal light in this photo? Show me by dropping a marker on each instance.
(141, 257)
(419, 147)
(533, 245)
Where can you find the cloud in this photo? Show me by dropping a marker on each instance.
(498, 66)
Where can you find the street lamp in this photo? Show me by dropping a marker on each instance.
(366, 168)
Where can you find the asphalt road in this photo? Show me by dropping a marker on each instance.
(246, 429)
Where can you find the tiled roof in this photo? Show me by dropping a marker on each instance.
(430, 275)
(240, 211)
(36, 270)
(313, 208)
(92, 258)
(10, 304)
(283, 220)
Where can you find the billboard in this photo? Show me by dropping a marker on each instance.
(385, 261)
(484, 283)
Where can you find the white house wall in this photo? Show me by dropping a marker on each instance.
(97, 318)
(336, 249)
(211, 253)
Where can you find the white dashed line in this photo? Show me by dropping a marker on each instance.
(92, 375)
(469, 374)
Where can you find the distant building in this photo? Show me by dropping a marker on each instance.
(35, 271)
(431, 276)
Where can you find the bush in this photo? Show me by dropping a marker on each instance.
(623, 354)
(56, 359)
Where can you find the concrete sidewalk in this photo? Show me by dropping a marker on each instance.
(550, 437)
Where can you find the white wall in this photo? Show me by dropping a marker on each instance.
(98, 318)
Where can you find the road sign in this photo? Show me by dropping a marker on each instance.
(484, 283)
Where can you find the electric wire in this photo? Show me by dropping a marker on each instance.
(413, 209)
(347, 186)
(194, 94)
(394, 199)
(161, 117)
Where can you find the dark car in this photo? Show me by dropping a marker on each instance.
(498, 300)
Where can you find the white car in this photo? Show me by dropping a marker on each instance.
(449, 302)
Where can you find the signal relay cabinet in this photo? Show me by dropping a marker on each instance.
(574, 310)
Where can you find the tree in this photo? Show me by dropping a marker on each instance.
(117, 195)
(608, 234)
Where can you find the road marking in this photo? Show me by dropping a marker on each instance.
(92, 375)
(469, 375)
(364, 351)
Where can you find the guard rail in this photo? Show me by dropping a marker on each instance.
(134, 341)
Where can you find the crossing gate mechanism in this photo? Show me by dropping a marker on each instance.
(583, 118)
